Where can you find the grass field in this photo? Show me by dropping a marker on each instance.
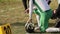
(12, 11)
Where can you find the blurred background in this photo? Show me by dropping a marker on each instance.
(13, 12)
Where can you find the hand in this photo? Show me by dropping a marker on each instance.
(54, 11)
(29, 20)
(27, 11)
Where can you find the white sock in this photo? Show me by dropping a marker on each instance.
(52, 29)
(38, 20)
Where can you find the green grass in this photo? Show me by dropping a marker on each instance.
(12, 11)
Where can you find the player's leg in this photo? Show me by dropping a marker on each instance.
(25, 4)
(37, 12)
(38, 20)
(44, 20)
(58, 15)
(52, 29)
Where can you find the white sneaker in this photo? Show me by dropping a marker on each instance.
(51, 29)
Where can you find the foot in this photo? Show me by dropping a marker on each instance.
(37, 29)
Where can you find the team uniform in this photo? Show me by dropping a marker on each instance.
(43, 11)
(56, 28)
(37, 12)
